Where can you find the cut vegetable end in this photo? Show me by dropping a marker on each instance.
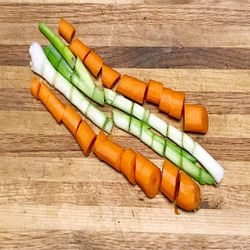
(109, 96)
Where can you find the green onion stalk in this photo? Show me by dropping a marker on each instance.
(72, 68)
(42, 66)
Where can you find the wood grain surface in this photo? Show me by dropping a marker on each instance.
(53, 197)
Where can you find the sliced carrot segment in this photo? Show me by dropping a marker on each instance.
(79, 49)
(66, 30)
(55, 107)
(94, 63)
(109, 76)
(35, 87)
(154, 92)
(71, 119)
(195, 118)
(176, 104)
(189, 193)
(109, 152)
(128, 164)
(132, 88)
(164, 105)
(44, 93)
(147, 176)
(169, 180)
(85, 136)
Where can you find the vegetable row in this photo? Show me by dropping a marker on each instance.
(177, 186)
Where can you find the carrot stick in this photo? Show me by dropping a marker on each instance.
(79, 49)
(44, 93)
(176, 104)
(147, 176)
(55, 107)
(66, 30)
(195, 118)
(128, 165)
(109, 76)
(108, 151)
(188, 196)
(154, 92)
(35, 87)
(94, 63)
(164, 105)
(85, 136)
(71, 119)
(132, 88)
(169, 180)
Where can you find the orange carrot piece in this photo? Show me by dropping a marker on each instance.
(176, 104)
(99, 139)
(71, 119)
(55, 107)
(169, 180)
(164, 105)
(154, 92)
(44, 93)
(128, 165)
(109, 152)
(132, 88)
(79, 49)
(85, 136)
(35, 87)
(66, 30)
(109, 76)
(195, 118)
(94, 63)
(147, 176)
(189, 193)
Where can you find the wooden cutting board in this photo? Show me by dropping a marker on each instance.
(51, 196)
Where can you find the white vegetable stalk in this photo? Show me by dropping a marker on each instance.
(180, 138)
(164, 147)
(41, 65)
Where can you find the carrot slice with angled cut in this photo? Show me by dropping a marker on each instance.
(132, 88)
(109, 76)
(164, 105)
(55, 107)
(71, 119)
(169, 180)
(128, 164)
(35, 87)
(79, 49)
(66, 30)
(44, 93)
(109, 152)
(195, 118)
(154, 92)
(176, 104)
(94, 63)
(85, 136)
(147, 176)
(189, 193)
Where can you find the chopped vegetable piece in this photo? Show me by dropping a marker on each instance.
(132, 88)
(195, 118)
(128, 165)
(147, 176)
(35, 88)
(66, 30)
(85, 136)
(108, 151)
(189, 193)
(94, 63)
(79, 49)
(44, 94)
(154, 92)
(169, 180)
(71, 119)
(109, 76)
